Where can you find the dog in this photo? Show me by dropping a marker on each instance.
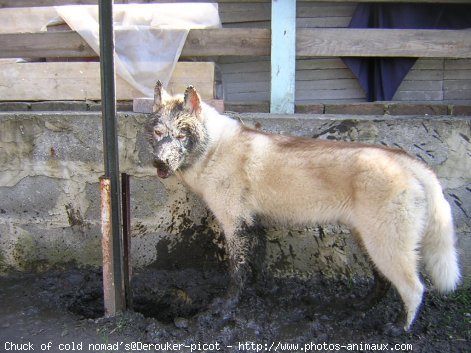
(391, 201)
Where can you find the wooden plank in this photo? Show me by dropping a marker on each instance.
(319, 64)
(247, 87)
(247, 12)
(464, 96)
(242, 59)
(255, 24)
(370, 42)
(246, 67)
(81, 80)
(320, 42)
(44, 45)
(249, 96)
(333, 74)
(247, 77)
(200, 42)
(429, 64)
(323, 22)
(421, 75)
(326, 85)
(41, 3)
(283, 56)
(418, 96)
(458, 74)
(306, 12)
(37, 3)
(322, 84)
(313, 10)
(457, 64)
(421, 86)
(338, 96)
(227, 41)
(323, 95)
(457, 85)
(305, 90)
(312, 15)
(198, 74)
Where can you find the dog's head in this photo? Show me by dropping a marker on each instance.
(176, 130)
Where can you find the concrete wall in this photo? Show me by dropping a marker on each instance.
(49, 192)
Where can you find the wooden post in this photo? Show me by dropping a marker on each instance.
(283, 56)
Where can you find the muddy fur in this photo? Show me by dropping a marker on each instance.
(392, 202)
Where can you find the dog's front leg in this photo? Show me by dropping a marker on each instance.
(239, 247)
(242, 241)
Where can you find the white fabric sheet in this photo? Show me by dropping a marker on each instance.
(148, 37)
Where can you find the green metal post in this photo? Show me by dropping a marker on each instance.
(114, 279)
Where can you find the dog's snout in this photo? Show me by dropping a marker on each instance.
(163, 169)
(158, 163)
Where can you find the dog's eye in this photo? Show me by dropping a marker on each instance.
(158, 132)
(181, 136)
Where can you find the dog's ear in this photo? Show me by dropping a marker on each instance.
(160, 96)
(192, 100)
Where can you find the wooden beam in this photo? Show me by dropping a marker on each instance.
(37, 3)
(384, 43)
(200, 42)
(44, 45)
(227, 41)
(81, 80)
(283, 56)
(314, 42)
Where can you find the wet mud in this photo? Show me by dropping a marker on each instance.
(292, 315)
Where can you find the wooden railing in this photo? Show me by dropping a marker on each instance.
(319, 42)
(310, 42)
(254, 42)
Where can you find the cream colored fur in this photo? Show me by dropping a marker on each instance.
(394, 202)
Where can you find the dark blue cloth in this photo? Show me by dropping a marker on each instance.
(380, 77)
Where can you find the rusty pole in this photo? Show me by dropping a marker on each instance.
(109, 293)
(113, 274)
(126, 198)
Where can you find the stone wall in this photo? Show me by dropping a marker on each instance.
(50, 202)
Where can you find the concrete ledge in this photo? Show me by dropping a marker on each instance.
(376, 108)
(75, 106)
(49, 188)
(144, 105)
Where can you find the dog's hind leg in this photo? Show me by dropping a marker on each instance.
(400, 266)
(380, 287)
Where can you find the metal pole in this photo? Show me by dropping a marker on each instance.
(126, 199)
(111, 161)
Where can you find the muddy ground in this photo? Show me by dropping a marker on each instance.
(62, 310)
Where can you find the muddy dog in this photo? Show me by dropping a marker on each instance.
(393, 202)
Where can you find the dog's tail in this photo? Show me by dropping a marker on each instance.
(438, 244)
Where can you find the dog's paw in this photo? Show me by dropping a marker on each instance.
(222, 308)
(393, 330)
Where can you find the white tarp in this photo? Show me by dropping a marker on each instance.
(148, 37)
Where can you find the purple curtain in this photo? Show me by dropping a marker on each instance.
(380, 77)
